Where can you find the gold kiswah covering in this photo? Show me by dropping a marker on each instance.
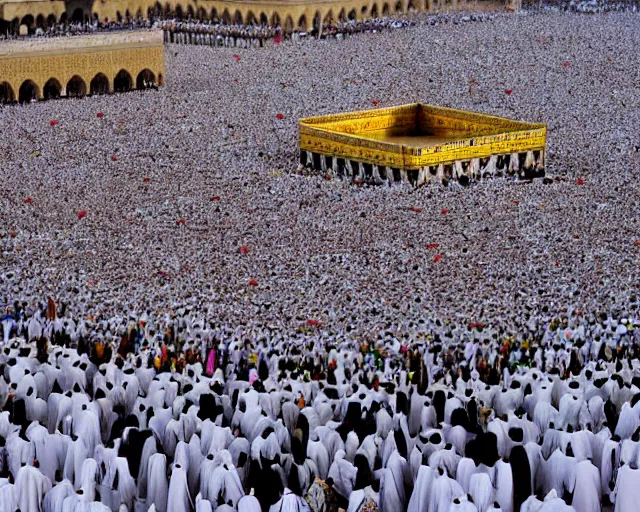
(420, 143)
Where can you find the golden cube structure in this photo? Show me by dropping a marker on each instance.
(418, 143)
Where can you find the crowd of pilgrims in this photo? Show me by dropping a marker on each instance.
(174, 413)
(210, 33)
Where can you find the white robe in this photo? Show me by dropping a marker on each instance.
(157, 485)
(31, 487)
(419, 501)
(627, 490)
(587, 496)
(290, 503)
(179, 499)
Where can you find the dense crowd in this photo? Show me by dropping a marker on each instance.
(189, 324)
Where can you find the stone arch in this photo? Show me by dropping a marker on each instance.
(398, 6)
(76, 87)
(167, 11)
(412, 5)
(288, 25)
(226, 17)
(6, 93)
(237, 18)
(139, 13)
(214, 14)
(302, 23)
(317, 22)
(275, 20)
(40, 21)
(374, 11)
(28, 20)
(157, 9)
(51, 20)
(328, 19)
(28, 91)
(251, 18)
(352, 14)
(77, 15)
(264, 19)
(364, 10)
(145, 80)
(179, 12)
(64, 18)
(343, 15)
(52, 90)
(202, 14)
(118, 16)
(190, 12)
(122, 81)
(99, 84)
(160, 79)
(385, 9)
(127, 15)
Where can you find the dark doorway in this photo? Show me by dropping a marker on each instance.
(99, 84)
(52, 89)
(76, 88)
(122, 82)
(28, 92)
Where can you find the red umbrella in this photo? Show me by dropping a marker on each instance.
(100, 114)
(280, 116)
(114, 158)
(277, 39)
(313, 323)
(82, 214)
(53, 122)
(636, 243)
(444, 211)
(146, 180)
(237, 57)
(433, 246)
(437, 258)
(508, 92)
(414, 209)
(375, 102)
(215, 198)
(28, 200)
(181, 221)
(566, 64)
(580, 181)
(244, 249)
(253, 282)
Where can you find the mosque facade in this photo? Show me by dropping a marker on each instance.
(290, 14)
(73, 67)
(420, 143)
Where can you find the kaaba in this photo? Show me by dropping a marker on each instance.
(418, 143)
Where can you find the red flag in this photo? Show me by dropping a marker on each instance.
(114, 158)
(444, 211)
(580, 181)
(253, 282)
(215, 198)
(28, 200)
(244, 249)
(508, 92)
(82, 214)
(99, 114)
(280, 116)
(53, 122)
(437, 258)
(278, 38)
(433, 246)
(237, 57)
(414, 209)
(313, 323)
